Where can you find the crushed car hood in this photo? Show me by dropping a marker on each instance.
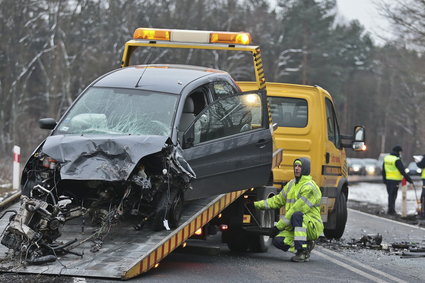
(100, 157)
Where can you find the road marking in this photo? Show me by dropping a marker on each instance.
(367, 267)
(79, 280)
(386, 219)
(346, 266)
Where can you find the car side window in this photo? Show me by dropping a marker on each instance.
(332, 124)
(222, 89)
(225, 117)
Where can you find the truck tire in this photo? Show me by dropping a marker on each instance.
(266, 218)
(237, 240)
(341, 218)
(235, 237)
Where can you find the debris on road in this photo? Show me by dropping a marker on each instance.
(375, 242)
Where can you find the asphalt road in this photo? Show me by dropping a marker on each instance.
(330, 261)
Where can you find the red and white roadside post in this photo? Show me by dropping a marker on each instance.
(16, 166)
(403, 198)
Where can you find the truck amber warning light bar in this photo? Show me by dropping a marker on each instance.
(196, 39)
(194, 36)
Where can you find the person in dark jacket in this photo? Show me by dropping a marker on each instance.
(421, 164)
(393, 172)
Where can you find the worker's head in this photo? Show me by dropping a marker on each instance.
(301, 167)
(397, 149)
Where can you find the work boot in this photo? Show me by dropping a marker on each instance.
(310, 247)
(301, 256)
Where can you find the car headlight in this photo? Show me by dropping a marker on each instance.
(370, 169)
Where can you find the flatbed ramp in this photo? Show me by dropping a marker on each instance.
(125, 252)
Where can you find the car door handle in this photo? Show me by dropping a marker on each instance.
(261, 143)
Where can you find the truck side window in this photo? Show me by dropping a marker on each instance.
(332, 124)
(289, 112)
(228, 116)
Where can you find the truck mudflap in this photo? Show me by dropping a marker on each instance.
(125, 252)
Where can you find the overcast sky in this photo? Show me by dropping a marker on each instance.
(367, 13)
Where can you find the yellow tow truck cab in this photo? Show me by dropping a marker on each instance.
(306, 126)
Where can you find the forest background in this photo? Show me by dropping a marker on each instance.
(50, 50)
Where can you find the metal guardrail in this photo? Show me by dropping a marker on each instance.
(353, 179)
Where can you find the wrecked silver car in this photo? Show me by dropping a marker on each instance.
(135, 145)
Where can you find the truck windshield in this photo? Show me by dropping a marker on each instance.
(119, 111)
(289, 112)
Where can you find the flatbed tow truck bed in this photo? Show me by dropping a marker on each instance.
(125, 252)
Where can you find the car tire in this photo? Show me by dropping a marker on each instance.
(341, 218)
(169, 207)
(266, 218)
(176, 209)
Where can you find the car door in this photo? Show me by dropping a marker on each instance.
(335, 155)
(229, 145)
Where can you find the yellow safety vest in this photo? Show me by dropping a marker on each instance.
(391, 171)
(423, 173)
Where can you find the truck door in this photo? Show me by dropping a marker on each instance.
(334, 159)
(229, 145)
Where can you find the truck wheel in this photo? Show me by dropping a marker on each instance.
(237, 240)
(341, 219)
(266, 218)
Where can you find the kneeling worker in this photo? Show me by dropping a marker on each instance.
(302, 223)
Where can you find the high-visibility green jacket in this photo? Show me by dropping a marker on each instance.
(391, 171)
(305, 197)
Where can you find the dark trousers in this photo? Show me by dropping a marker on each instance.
(296, 221)
(392, 190)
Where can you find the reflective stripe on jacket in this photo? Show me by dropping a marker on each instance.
(391, 171)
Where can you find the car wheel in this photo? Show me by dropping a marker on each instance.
(176, 209)
(169, 207)
(341, 218)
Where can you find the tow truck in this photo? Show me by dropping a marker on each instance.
(34, 242)
(126, 253)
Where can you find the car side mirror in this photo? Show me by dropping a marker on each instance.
(275, 126)
(47, 123)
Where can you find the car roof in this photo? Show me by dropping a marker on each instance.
(162, 78)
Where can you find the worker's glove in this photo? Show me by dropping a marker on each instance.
(274, 232)
(250, 205)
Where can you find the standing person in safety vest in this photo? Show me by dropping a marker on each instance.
(421, 164)
(302, 223)
(392, 173)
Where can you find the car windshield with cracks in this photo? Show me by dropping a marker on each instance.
(120, 112)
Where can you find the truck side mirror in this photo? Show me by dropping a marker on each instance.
(47, 123)
(359, 139)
